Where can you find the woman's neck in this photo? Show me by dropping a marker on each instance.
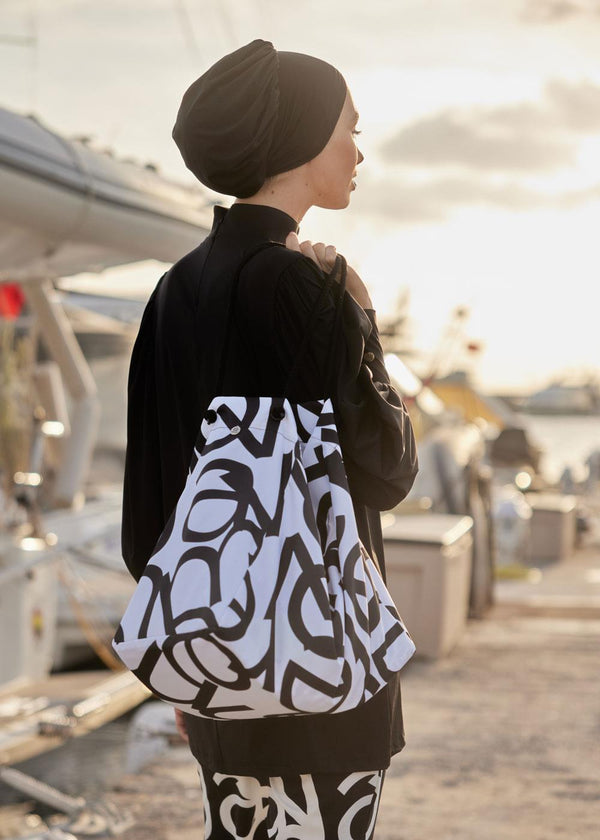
(287, 192)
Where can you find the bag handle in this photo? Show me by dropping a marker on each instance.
(340, 267)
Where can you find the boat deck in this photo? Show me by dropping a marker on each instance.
(38, 716)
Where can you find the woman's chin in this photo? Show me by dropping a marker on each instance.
(346, 200)
(337, 203)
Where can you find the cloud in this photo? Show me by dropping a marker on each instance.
(576, 106)
(550, 11)
(481, 156)
(478, 139)
(574, 198)
(526, 137)
(410, 202)
(555, 11)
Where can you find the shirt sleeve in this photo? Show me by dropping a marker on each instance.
(142, 515)
(376, 434)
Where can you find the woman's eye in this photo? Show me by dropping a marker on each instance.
(355, 132)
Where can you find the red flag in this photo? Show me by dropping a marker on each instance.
(11, 300)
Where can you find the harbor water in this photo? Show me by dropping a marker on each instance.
(81, 767)
(566, 441)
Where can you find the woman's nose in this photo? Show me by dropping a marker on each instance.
(361, 157)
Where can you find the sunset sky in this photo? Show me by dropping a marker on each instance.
(480, 129)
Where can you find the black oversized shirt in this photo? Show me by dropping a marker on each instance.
(172, 379)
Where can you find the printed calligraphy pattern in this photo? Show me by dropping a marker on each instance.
(259, 599)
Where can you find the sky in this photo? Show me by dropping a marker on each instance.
(480, 129)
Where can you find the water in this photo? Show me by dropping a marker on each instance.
(83, 766)
(89, 765)
(566, 441)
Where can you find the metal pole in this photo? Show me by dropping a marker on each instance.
(42, 791)
(59, 338)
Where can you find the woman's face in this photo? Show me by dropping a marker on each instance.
(332, 172)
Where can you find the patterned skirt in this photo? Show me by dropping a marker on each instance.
(321, 806)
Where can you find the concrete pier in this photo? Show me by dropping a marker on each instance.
(501, 734)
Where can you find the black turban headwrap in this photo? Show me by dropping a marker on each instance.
(255, 113)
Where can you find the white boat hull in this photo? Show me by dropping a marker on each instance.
(66, 208)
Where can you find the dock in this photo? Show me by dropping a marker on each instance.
(499, 733)
(39, 716)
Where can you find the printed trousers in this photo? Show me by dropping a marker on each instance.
(321, 806)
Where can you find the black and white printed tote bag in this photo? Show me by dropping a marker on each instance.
(259, 599)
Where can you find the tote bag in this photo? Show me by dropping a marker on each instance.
(259, 599)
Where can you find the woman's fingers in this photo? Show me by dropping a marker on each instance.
(323, 255)
(326, 255)
(330, 255)
(292, 241)
(307, 249)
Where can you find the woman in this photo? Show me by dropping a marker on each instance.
(277, 131)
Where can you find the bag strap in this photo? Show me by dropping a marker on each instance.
(340, 267)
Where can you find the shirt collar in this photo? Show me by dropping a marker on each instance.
(255, 221)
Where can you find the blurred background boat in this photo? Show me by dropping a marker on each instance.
(66, 208)
(483, 458)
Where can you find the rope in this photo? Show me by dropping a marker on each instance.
(93, 638)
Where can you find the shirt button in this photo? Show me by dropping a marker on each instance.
(235, 430)
(368, 357)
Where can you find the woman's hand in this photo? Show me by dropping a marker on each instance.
(324, 256)
(180, 724)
